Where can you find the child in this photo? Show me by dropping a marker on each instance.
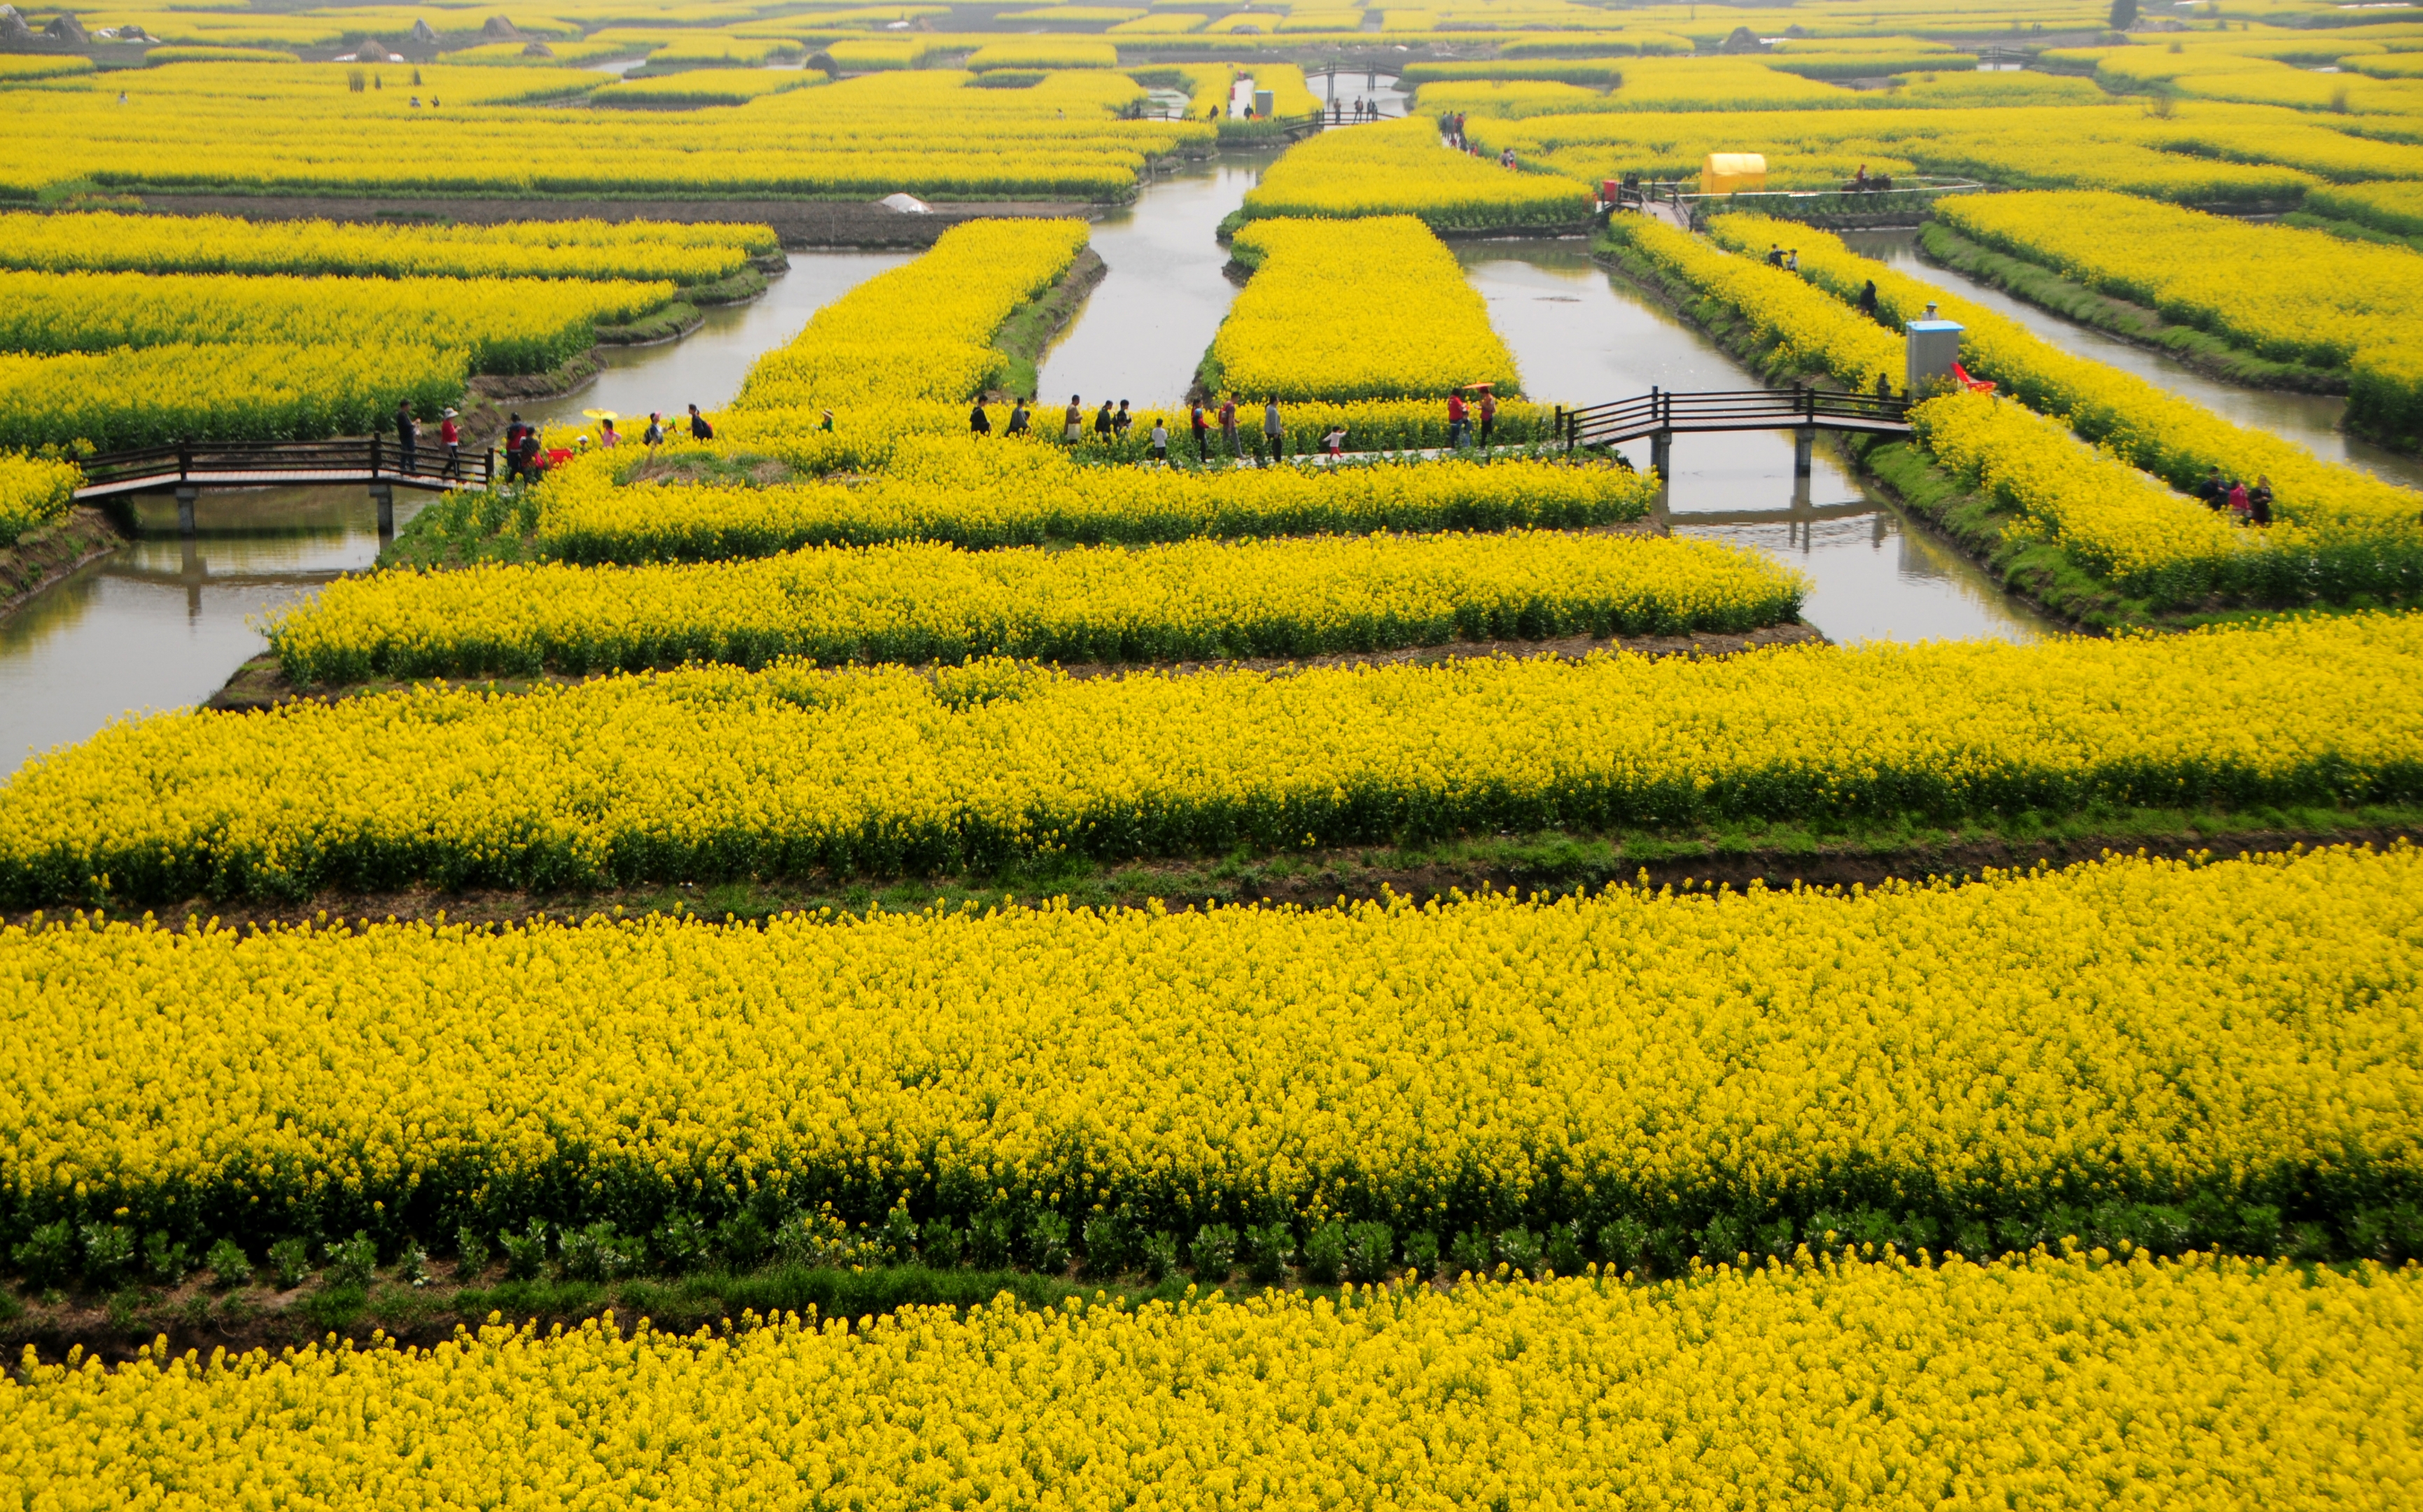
(1160, 440)
(1335, 442)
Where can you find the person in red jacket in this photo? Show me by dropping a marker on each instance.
(1457, 418)
(452, 438)
(1202, 429)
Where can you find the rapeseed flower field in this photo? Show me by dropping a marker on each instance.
(2176, 1055)
(2047, 1381)
(713, 772)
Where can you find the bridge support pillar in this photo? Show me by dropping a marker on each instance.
(1804, 450)
(186, 494)
(1661, 454)
(383, 495)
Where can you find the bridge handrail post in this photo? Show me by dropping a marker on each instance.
(374, 453)
(184, 458)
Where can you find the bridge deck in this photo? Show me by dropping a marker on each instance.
(1634, 430)
(162, 483)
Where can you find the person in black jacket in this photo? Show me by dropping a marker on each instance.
(1868, 300)
(699, 429)
(408, 433)
(979, 424)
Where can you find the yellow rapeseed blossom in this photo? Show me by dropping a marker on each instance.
(918, 603)
(100, 241)
(2075, 1380)
(2010, 1055)
(1370, 308)
(33, 491)
(506, 324)
(717, 771)
(242, 391)
(1400, 168)
(921, 331)
(1000, 492)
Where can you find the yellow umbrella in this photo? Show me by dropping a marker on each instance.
(601, 415)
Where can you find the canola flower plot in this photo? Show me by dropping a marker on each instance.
(1370, 308)
(2113, 522)
(2131, 1052)
(514, 132)
(718, 772)
(1401, 168)
(2287, 293)
(920, 603)
(2039, 1383)
(34, 491)
(100, 241)
(982, 494)
(923, 331)
(157, 396)
(2173, 438)
(507, 325)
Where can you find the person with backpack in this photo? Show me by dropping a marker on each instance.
(979, 424)
(655, 434)
(699, 429)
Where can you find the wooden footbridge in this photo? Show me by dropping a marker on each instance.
(376, 463)
(1659, 416)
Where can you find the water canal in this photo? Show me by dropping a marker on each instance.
(162, 623)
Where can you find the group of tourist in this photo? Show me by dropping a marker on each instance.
(2246, 506)
(526, 454)
(1265, 443)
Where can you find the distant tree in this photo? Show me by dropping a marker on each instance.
(2124, 14)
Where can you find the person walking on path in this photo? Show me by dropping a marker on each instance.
(655, 434)
(514, 430)
(1202, 449)
(1457, 418)
(1105, 427)
(2239, 503)
(1122, 422)
(1160, 441)
(408, 433)
(607, 435)
(1228, 427)
(979, 424)
(1335, 442)
(452, 438)
(1072, 424)
(2258, 500)
(1274, 429)
(699, 429)
(2210, 489)
(1488, 415)
(1017, 418)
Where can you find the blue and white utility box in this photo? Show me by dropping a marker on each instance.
(1934, 346)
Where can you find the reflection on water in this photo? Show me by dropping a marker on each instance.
(2311, 420)
(705, 367)
(1583, 337)
(161, 623)
(1147, 324)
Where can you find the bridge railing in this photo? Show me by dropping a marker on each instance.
(373, 457)
(1755, 409)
